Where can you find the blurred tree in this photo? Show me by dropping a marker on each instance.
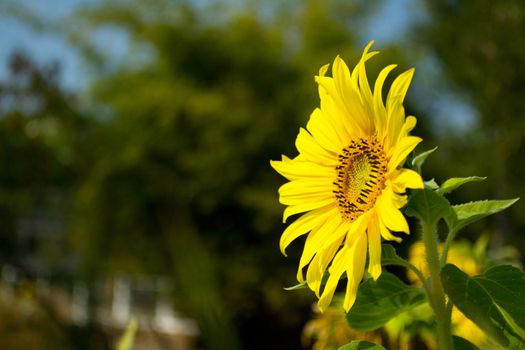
(42, 134)
(172, 177)
(481, 48)
(205, 97)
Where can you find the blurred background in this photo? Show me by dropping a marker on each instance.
(135, 139)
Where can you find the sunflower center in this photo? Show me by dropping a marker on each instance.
(360, 177)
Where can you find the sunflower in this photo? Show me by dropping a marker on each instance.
(348, 178)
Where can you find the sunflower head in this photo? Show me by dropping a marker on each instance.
(347, 181)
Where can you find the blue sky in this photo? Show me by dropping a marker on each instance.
(42, 46)
(46, 47)
(391, 23)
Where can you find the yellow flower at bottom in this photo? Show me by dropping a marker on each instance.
(462, 255)
(348, 178)
(330, 331)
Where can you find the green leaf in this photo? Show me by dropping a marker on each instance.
(453, 183)
(379, 301)
(428, 206)
(494, 300)
(463, 344)
(390, 257)
(304, 285)
(465, 214)
(297, 286)
(431, 184)
(361, 345)
(418, 160)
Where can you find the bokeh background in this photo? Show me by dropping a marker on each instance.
(135, 139)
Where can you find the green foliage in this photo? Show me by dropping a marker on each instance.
(379, 301)
(428, 206)
(389, 256)
(174, 159)
(455, 182)
(361, 345)
(181, 183)
(418, 161)
(463, 344)
(478, 69)
(494, 300)
(168, 173)
(465, 214)
(431, 184)
(41, 136)
(297, 286)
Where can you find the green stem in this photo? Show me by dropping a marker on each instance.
(437, 295)
(417, 272)
(402, 262)
(420, 276)
(448, 241)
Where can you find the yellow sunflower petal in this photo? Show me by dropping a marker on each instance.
(342, 228)
(399, 199)
(393, 219)
(323, 70)
(280, 164)
(385, 232)
(394, 104)
(321, 236)
(303, 190)
(374, 249)
(359, 78)
(333, 110)
(364, 57)
(347, 96)
(323, 132)
(307, 206)
(315, 199)
(313, 151)
(389, 214)
(406, 178)
(364, 86)
(341, 76)
(355, 245)
(366, 94)
(296, 169)
(346, 127)
(410, 123)
(358, 226)
(314, 274)
(341, 260)
(399, 87)
(347, 122)
(394, 124)
(355, 270)
(305, 224)
(379, 107)
(402, 150)
(319, 263)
